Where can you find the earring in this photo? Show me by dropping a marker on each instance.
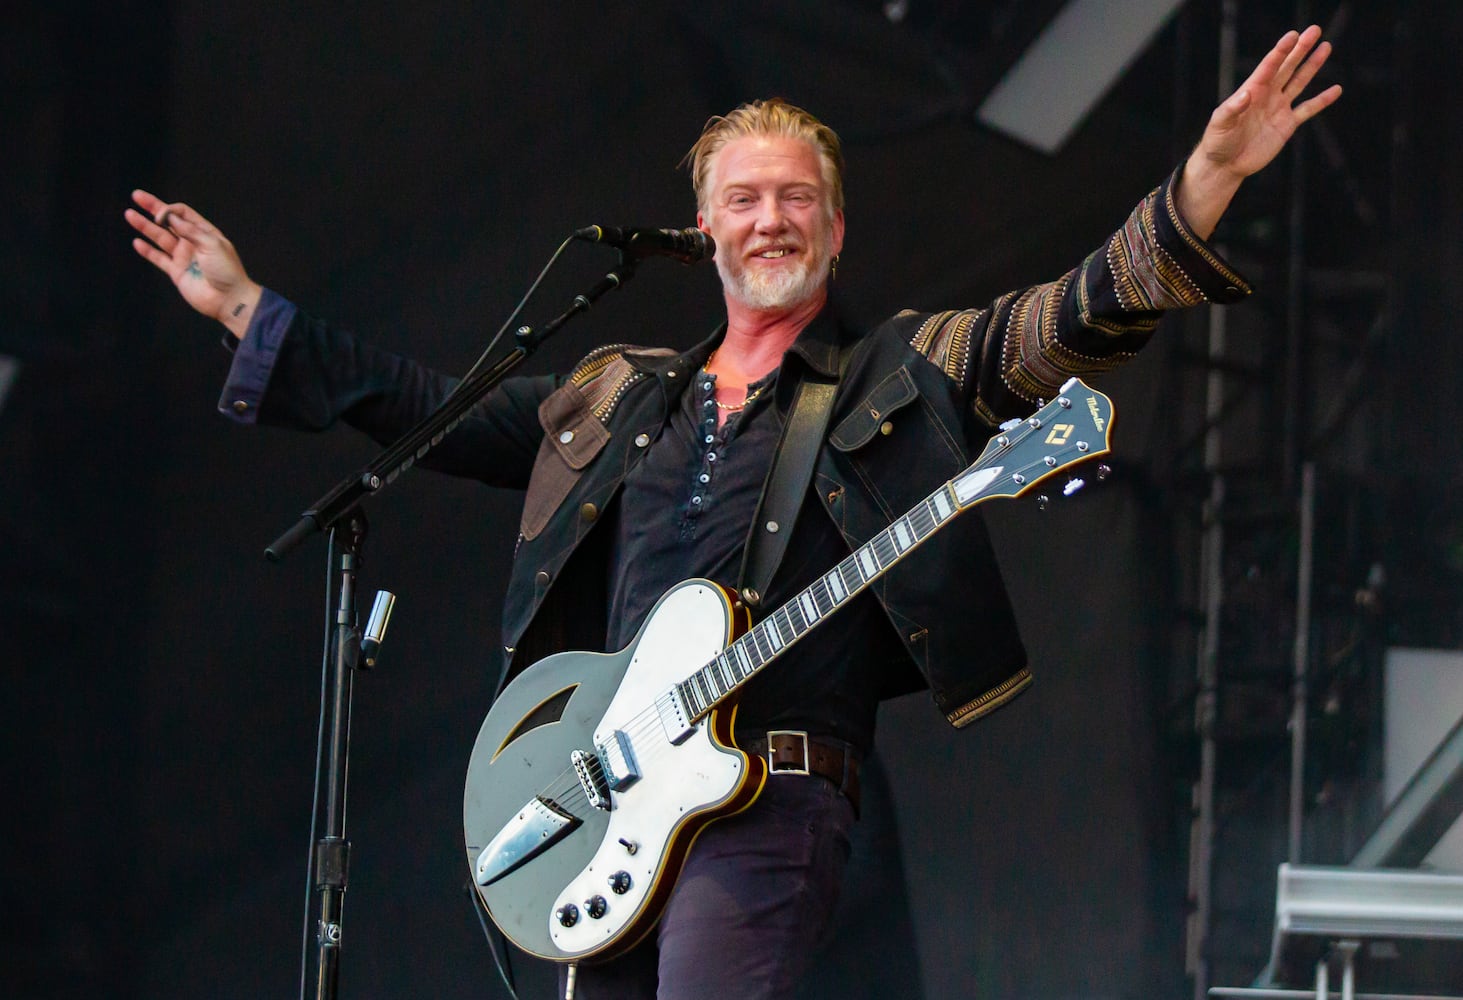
(833, 271)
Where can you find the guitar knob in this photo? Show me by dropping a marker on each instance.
(568, 915)
(596, 906)
(620, 883)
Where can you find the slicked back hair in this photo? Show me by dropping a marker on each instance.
(772, 117)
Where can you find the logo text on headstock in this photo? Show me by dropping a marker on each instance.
(1096, 416)
(1060, 433)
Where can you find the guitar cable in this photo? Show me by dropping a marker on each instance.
(504, 964)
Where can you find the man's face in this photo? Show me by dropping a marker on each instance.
(768, 211)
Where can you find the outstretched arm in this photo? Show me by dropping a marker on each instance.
(1249, 129)
(201, 262)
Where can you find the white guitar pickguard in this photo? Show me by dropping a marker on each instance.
(687, 628)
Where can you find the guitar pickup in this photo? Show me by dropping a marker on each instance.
(617, 761)
(675, 715)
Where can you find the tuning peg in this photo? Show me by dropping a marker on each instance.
(1042, 502)
(1073, 485)
(1103, 471)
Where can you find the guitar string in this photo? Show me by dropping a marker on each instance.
(567, 785)
(567, 791)
(885, 550)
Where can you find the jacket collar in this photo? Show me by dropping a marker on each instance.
(817, 346)
(819, 343)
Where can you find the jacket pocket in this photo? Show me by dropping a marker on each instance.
(573, 438)
(873, 411)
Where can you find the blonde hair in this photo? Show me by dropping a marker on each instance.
(772, 117)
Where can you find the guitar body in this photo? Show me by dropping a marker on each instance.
(627, 851)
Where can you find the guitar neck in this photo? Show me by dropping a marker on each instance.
(770, 637)
(1014, 461)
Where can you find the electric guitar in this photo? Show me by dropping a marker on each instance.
(594, 772)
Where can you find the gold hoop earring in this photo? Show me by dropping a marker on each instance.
(833, 271)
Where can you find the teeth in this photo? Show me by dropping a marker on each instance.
(773, 253)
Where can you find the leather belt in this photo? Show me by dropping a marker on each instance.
(790, 751)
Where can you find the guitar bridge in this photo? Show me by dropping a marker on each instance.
(591, 775)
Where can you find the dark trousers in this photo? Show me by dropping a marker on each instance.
(750, 908)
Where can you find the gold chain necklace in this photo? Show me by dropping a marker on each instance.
(734, 407)
(730, 407)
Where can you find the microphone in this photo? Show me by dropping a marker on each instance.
(685, 245)
(376, 626)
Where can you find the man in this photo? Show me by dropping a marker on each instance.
(644, 467)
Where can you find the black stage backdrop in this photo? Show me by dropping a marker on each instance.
(404, 169)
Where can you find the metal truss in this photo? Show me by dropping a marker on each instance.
(1274, 505)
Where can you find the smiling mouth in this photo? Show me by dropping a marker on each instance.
(772, 254)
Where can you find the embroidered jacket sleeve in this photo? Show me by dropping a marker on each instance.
(294, 370)
(1005, 358)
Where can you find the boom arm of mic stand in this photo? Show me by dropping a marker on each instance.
(416, 442)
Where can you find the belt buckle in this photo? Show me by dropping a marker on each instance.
(772, 765)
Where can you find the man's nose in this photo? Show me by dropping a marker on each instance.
(770, 217)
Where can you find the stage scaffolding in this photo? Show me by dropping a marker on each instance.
(1272, 497)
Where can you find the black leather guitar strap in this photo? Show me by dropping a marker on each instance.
(785, 486)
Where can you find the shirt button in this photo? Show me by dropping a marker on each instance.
(704, 477)
(709, 439)
(641, 440)
(541, 578)
(709, 403)
(711, 456)
(589, 512)
(566, 437)
(696, 501)
(886, 428)
(706, 385)
(240, 406)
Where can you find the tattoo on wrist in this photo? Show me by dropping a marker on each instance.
(194, 270)
(238, 308)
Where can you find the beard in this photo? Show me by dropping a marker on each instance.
(781, 288)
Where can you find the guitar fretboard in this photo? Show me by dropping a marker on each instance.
(1023, 454)
(768, 638)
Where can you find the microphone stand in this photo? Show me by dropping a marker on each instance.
(339, 511)
(331, 859)
(416, 442)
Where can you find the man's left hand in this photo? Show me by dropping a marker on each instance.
(1250, 129)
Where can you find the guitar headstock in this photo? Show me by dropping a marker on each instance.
(1072, 428)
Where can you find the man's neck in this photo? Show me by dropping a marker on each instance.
(756, 339)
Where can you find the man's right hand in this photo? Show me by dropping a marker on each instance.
(201, 262)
